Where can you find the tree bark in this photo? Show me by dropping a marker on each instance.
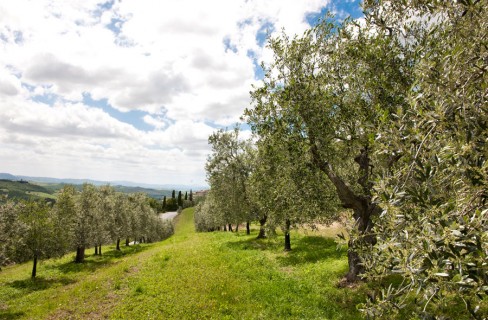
(287, 235)
(126, 242)
(248, 228)
(230, 228)
(96, 250)
(118, 245)
(225, 227)
(362, 205)
(237, 227)
(80, 254)
(34, 267)
(262, 223)
(100, 250)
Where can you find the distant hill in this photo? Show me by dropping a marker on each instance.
(8, 176)
(24, 190)
(49, 186)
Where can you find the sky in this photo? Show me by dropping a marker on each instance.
(130, 90)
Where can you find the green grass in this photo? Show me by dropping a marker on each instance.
(42, 195)
(218, 275)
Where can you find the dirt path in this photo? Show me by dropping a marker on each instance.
(168, 215)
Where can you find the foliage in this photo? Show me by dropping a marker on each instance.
(171, 204)
(284, 189)
(433, 230)
(94, 217)
(9, 225)
(321, 99)
(228, 168)
(36, 233)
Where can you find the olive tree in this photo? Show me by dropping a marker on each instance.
(434, 225)
(228, 169)
(82, 227)
(285, 190)
(9, 224)
(120, 219)
(101, 224)
(65, 212)
(327, 91)
(36, 236)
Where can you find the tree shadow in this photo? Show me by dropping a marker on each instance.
(254, 244)
(311, 249)
(94, 262)
(306, 249)
(30, 285)
(7, 315)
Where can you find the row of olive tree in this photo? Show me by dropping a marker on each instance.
(387, 117)
(78, 220)
(251, 184)
(227, 169)
(393, 112)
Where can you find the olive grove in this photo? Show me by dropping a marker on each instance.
(32, 230)
(385, 116)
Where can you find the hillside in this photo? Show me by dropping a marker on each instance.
(24, 190)
(192, 275)
(37, 190)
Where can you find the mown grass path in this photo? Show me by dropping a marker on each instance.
(218, 275)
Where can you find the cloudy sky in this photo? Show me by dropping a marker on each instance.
(130, 90)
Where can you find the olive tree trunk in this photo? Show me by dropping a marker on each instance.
(34, 267)
(80, 254)
(361, 204)
(287, 235)
(262, 223)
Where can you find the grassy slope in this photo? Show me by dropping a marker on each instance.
(189, 276)
(26, 191)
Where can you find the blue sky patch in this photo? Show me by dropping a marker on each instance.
(341, 8)
(133, 117)
(262, 35)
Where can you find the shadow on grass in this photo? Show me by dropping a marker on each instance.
(39, 283)
(311, 249)
(93, 262)
(6, 315)
(307, 249)
(254, 244)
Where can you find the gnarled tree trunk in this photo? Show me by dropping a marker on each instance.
(262, 223)
(362, 206)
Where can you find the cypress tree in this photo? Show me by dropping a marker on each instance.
(180, 199)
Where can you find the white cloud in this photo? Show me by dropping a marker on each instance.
(188, 65)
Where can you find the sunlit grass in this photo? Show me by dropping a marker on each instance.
(218, 275)
(62, 284)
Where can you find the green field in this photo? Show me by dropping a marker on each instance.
(24, 190)
(191, 275)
